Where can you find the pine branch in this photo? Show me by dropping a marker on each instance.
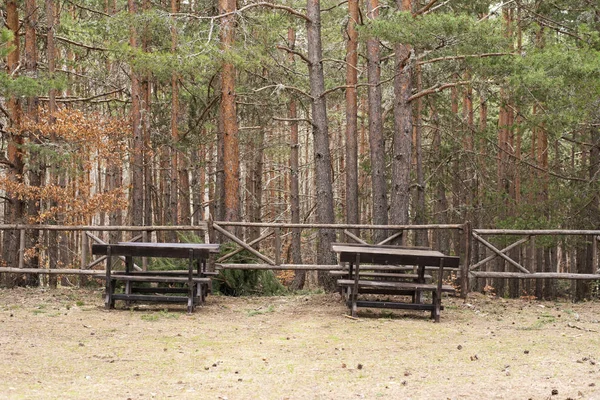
(426, 8)
(88, 9)
(435, 89)
(85, 46)
(297, 53)
(450, 58)
(292, 119)
(82, 99)
(249, 6)
(335, 6)
(280, 87)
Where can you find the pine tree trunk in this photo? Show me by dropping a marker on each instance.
(322, 155)
(376, 138)
(254, 178)
(299, 276)
(137, 156)
(14, 208)
(403, 130)
(352, 114)
(231, 156)
(442, 241)
(420, 210)
(35, 170)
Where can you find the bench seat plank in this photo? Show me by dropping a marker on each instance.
(395, 285)
(150, 298)
(370, 274)
(172, 272)
(394, 305)
(165, 279)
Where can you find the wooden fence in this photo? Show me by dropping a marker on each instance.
(486, 254)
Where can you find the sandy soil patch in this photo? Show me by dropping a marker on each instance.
(63, 344)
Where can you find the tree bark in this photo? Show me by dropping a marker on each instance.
(36, 166)
(299, 276)
(441, 201)
(403, 128)
(421, 237)
(55, 178)
(376, 138)
(352, 114)
(231, 150)
(14, 208)
(146, 90)
(254, 179)
(137, 156)
(320, 132)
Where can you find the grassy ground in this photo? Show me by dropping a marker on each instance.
(63, 344)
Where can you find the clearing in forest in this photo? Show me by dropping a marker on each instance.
(63, 344)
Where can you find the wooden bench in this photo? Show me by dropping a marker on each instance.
(397, 288)
(378, 280)
(180, 286)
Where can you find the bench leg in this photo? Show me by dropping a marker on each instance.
(437, 305)
(109, 285)
(354, 293)
(109, 301)
(190, 306)
(191, 284)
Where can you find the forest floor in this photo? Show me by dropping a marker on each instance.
(63, 344)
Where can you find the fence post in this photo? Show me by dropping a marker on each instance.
(144, 259)
(277, 246)
(84, 248)
(84, 258)
(594, 253)
(466, 264)
(21, 248)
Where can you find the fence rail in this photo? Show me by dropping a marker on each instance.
(540, 256)
(478, 248)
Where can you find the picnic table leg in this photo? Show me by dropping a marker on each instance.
(109, 285)
(354, 293)
(418, 294)
(435, 312)
(437, 295)
(191, 288)
(128, 284)
(207, 288)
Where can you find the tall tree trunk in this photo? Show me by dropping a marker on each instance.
(175, 156)
(146, 90)
(299, 276)
(403, 120)
(137, 156)
(14, 207)
(231, 150)
(219, 188)
(376, 138)
(254, 178)
(420, 211)
(352, 114)
(53, 237)
(441, 201)
(586, 266)
(198, 183)
(114, 171)
(322, 155)
(35, 170)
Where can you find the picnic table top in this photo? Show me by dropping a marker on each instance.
(149, 249)
(385, 254)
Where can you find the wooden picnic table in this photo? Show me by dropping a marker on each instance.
(356, 255)
(184, 286)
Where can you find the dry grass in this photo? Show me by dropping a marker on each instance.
(63, 344)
